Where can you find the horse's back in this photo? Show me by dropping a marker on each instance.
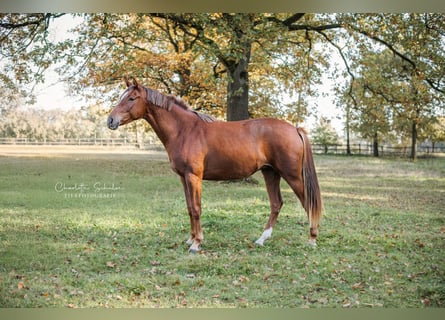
(276, 135)
(240, 148)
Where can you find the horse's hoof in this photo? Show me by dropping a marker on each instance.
(312, 243)
(259, 243)
(264, 236)
(193, 251)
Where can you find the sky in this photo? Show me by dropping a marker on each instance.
(54, 94)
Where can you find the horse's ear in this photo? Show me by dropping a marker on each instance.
(127, 82)
(135, 83)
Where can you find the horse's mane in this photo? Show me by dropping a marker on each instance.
(168, 101)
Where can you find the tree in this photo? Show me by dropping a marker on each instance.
(371, 114)
(346, 102)
(324, 134)
(236, 40)
(435, 131)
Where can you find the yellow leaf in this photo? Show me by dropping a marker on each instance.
(356, 285)
(21, 285)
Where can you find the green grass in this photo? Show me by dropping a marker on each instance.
(381, 243)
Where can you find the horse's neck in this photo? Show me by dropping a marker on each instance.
(168, 124)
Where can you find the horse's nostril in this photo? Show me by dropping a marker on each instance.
(111, 123)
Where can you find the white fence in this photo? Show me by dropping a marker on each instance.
(150, 143)
(81, 142)
(384, 150)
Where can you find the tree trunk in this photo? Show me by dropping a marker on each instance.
(348, 145)
(238, 88)
(414, 141)
(375, 145)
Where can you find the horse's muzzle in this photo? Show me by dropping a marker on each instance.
(112, 123)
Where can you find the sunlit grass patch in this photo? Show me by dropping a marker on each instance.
(381, 240)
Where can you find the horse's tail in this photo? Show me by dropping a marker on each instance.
(312, 197)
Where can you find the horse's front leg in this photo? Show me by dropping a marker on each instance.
(189, 210)
(192, 189)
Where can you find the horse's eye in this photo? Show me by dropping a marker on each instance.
(132, 99)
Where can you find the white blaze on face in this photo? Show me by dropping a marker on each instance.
(266, 235)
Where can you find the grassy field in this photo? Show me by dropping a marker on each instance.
(109, 230)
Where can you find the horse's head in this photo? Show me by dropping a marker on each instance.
(131, 106)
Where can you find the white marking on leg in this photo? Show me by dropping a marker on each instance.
(266, 235)
(189, 241)
(312, 242)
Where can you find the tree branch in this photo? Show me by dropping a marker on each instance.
(184, 23)
(314, 28)
(293, 18)
(287, 22)
(42, 17)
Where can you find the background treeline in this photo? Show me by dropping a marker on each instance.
(33, 125)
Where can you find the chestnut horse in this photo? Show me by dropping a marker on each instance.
(201, 147)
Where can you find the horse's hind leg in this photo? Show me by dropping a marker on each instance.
(272, 179)
(296, 184)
